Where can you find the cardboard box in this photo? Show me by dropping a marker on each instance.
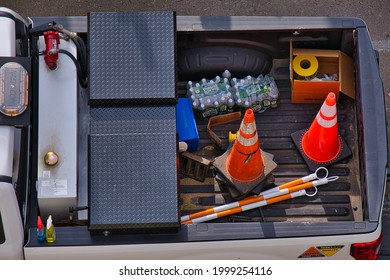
(330, 62)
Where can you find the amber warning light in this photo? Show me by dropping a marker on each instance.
(13, 89)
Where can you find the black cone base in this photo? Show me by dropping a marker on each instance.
(313, 165)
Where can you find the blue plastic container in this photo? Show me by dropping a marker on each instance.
(186, 125)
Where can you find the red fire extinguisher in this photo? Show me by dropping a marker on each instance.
(52, 41)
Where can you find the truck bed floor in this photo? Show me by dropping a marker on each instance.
(336, 201)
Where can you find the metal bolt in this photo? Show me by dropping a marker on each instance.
(51, 158)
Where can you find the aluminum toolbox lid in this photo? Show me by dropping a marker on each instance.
(133, 181)
(132, 58)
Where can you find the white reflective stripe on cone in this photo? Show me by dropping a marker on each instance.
(248, 128)
(328, 111)
(247, 141)
(326, 123)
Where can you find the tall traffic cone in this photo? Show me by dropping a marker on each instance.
(245, 162)
(244, 165)
(321, 144)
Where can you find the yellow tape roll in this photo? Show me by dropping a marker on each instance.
(232, 136)
(305, 66)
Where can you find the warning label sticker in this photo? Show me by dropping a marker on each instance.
(311, 253)
(330, 250)
(52, 187)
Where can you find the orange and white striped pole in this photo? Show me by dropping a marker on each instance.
(302, 180)
(245, 207)
(254, 198)
(248, 200)
(271, 194)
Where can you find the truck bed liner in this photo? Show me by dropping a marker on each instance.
(336, 201)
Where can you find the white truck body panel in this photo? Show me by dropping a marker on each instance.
(57, 124)
(7, 31)
(277, 249)
(7, 135)
(7, 48)
(12, 248)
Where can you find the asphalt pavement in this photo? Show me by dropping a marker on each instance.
(376, 15)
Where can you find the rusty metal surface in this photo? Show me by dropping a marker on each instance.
(194, 166)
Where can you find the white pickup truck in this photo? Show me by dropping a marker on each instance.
(55, 130)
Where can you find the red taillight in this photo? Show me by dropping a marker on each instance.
(366, 250)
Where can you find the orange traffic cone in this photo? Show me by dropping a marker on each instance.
(321, 144)
(245, 162)
(244, 165)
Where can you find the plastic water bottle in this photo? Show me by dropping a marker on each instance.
(230, 104)
(195, 104)
(226, 74)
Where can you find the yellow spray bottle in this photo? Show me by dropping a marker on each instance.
(50, 230)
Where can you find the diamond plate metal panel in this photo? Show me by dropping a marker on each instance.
(129, 185)
(122, 120)
(130, 188)
(132, 58)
